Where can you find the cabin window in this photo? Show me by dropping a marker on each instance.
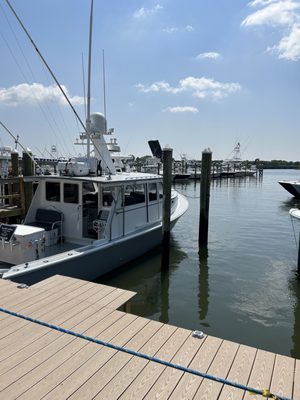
(152, 191)
(160, 188)
(134, 194)
(88, 187)
(71, 193)
(52, 191)
(107, 197)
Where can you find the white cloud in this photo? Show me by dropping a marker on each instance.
(289, 46)
(174, 29)
(281, 14)
(199, 87)
(170, 30)
(36, 92)
(157, 87)
(179, 109)
(210, 55)
(256, 3)
(146, 12)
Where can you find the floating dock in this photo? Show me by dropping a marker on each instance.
(38, 362)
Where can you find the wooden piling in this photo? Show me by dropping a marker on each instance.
(14, 163)
(166, 225)
(28, 170)
(204, 197)
(298, 266)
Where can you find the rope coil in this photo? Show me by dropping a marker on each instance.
(263, 392)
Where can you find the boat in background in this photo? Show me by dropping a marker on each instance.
(5, 160)
(293, 187)
(233, 167)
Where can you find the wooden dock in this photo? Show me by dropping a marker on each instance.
(12, 198)
(37, 362)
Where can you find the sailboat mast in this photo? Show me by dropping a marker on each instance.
(88, 118)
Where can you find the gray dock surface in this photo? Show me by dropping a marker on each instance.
(37, 362)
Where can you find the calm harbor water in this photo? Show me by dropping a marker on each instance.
(245, 287)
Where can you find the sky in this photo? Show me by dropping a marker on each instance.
(194, 74)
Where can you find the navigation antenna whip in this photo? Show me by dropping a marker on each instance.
(104, 90)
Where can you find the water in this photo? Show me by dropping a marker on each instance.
(245, 287)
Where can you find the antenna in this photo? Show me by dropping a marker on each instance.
(88, 118)
(83, 81)
(104, 91)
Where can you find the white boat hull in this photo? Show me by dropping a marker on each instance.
(90, 262)
(293, 187)
(295, 213)
(97, 259)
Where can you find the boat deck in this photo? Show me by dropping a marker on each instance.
(39, 362)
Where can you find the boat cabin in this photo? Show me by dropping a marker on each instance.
(84, 209)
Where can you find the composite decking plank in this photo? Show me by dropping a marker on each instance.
(56, 281)
(296, 388)
(220, 367)
(54, 315)
(65, 370)
(141, 385)
(146, 342)
(283, 375)
(78, 323)
(170, 377)
(188, 384)
(82, 291)
(105, 374)
(98, 297)
(116, 333)
(94, 293)
(112, 298)
(239, 373)
(59, 282)
(15, 374)
(42, 306)
(18, 302)
(34, 369)
(121, 300)
(7, 288)
(261, 373)
(49, 282)
(17, 299)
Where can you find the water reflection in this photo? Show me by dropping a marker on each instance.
(164, 295)
(145, 277)
(290, 203)
(203, 294)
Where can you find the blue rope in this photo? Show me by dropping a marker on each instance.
(264, 393)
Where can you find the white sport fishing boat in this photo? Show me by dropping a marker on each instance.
(88, 219)
(86, 226)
